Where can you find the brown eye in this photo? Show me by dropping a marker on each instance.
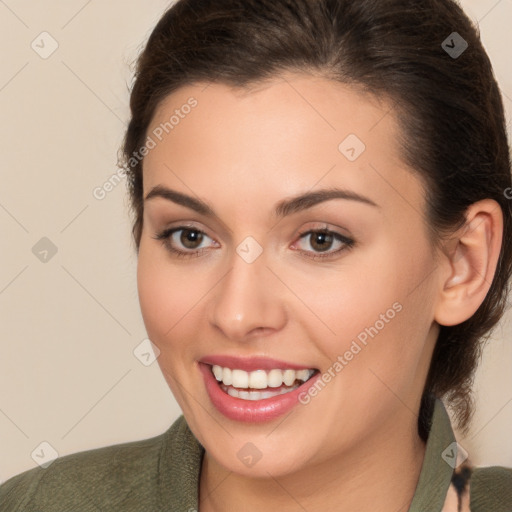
(186, 241)
(191, 238)
(321, 241)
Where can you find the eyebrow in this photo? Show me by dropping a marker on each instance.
(283, 208)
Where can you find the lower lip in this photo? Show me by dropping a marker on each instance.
(251, 411)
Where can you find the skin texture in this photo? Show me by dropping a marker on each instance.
(356, 443)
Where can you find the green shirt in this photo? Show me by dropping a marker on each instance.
(162, 474)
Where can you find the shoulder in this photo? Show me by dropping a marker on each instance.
(88, 479)
(491, 489)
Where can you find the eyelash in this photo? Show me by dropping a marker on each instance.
(165, 235)
(348, 243)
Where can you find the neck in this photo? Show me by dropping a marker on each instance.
(382, 475)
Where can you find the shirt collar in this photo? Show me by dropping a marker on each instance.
(436, 471)
(182, 455)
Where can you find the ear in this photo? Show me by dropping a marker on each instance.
(470, 263)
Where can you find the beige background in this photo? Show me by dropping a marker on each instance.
(69, 326)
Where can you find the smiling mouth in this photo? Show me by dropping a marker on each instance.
(260, 384)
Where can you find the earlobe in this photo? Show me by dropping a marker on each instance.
(472, 264)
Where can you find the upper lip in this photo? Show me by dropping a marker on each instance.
(250, 364)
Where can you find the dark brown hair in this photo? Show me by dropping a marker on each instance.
(448, 106)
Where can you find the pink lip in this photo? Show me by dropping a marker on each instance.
(250, 364)
(249, 411)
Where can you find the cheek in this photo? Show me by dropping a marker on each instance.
(343, 302)
(152, 296)
(166, 294)
(369, 304)
(167, 297)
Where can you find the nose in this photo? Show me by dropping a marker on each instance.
(248, 301)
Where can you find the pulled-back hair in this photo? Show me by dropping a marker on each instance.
(448, 106)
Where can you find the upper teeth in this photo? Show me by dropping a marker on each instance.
(259, 379)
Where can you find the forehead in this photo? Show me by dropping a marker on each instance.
(293, 133)
(300, 103)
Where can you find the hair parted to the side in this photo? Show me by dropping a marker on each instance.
(450, 112)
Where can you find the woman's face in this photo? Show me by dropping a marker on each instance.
(253, 278)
